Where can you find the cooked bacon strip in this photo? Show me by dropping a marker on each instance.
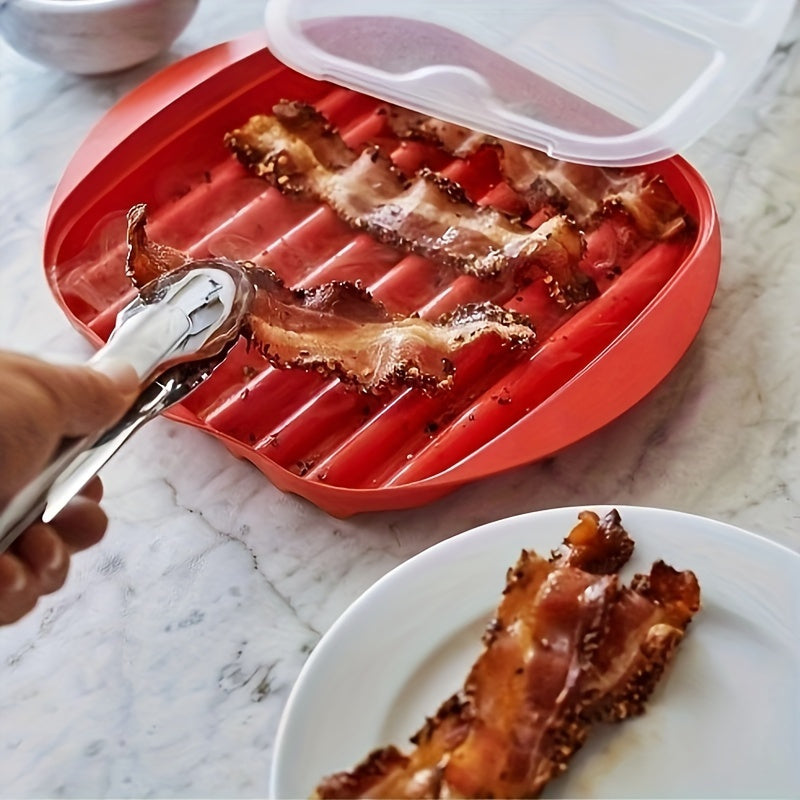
(338, 328)
(585, 192)
(569, 645)
(602, 548)
(646, 624)
(501, 736)
(145, 259)
(299, 152)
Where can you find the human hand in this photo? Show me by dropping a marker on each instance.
(41, 404)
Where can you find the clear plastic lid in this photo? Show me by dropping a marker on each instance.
(612, 82)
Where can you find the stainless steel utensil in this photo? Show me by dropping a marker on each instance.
(174, 334)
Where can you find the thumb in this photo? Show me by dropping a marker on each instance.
(42, 403)
(120, 373)
(96, 396)
(84, 398)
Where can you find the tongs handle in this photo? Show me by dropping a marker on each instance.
(141, 342)
(27, 505)
(87, 463)
(179, 328)
(167, 390)
(81, 459)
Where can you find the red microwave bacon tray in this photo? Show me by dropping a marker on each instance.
(346, 451)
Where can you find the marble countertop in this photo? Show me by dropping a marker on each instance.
(162, 667)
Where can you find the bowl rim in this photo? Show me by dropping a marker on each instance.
(87, 6)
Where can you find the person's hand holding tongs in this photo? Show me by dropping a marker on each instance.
(172, 335)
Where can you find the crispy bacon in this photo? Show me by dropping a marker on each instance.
(299, 152)
(585, 192)
(602, 549)
(338, 328)
(646, 623)
(569, 646)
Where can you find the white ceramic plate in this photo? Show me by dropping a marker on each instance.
(725, 721)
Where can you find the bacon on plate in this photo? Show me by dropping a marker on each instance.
(569, 645)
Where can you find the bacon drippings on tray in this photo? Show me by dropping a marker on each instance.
(299, 152)
(569, 646)
(338, 328)
(585, 192)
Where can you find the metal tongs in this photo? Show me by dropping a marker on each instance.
(174, 334)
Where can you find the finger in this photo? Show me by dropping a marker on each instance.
(45, 555)
(43, 404)
(81, 524)
(18, 594)
(93, 490)
(83, 399)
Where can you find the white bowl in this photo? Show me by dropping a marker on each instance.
(93, 36)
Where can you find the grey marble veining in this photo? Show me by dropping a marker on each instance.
(162, 667)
